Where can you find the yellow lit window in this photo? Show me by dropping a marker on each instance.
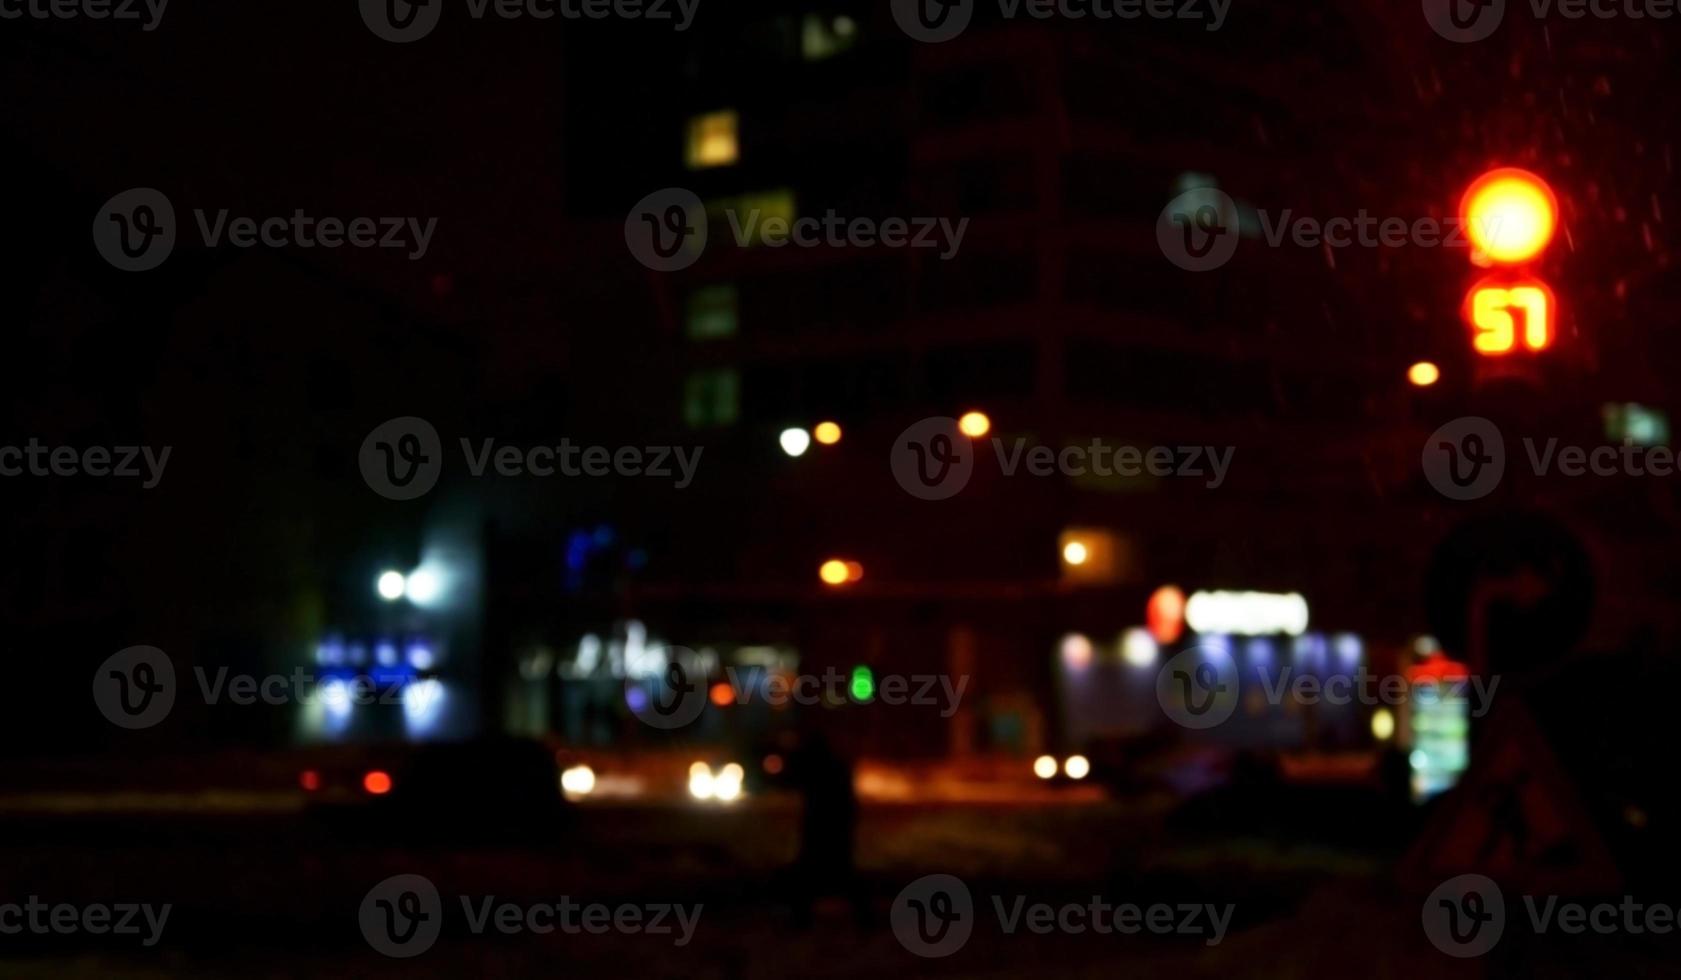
(752, 211)
(713, 140)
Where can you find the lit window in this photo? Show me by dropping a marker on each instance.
(713, 140)
(822, 36)
(754, 212)
(1636, 424)
(712, 399)
(713, 312)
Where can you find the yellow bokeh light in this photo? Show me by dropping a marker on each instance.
(1383, 724)
(974, 424)
(1424, 374)
(1076, 767)
(827, 433)
(834, 572)
(1075, 553)
(1510, 216)
(1044, 767)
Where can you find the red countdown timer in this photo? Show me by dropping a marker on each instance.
(1510, 314)
(1510, 216)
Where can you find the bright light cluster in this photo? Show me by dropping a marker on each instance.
(723, 786)
(1075, 767)
(423, 586)
(1247, 613)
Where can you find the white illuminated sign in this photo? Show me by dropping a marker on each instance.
(635, 656)
(1247, 613)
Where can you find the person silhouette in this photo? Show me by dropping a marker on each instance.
(828, 824)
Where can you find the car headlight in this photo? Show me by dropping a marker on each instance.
(701, 782)
(577, 781)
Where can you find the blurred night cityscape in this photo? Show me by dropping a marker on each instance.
(950, 487)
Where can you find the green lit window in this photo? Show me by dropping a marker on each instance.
(751, 212)
(713, 312)
(1636, 424)
(712, 399)
(823, 36)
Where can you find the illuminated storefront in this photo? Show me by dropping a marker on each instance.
(1438, 725)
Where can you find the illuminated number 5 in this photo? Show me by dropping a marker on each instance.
(1494, 313)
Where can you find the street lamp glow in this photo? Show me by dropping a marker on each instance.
(1076, 651)
(1075, 553)
(834, 572)
(578, 781)
(726, 788)
(794, 441)
(1424, 374)
(975, 425)
(391, 585)
(700, 781)
(1044, 767)
(827, 433)
(423, 586)
(1076, 767)
(1139, 648)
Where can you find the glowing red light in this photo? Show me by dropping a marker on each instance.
(1439, 667)
(1164, 614)
(310, 780)
(377, 783)
(1510, 215)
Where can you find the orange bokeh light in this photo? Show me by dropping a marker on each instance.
(834, 572)
(974, 424)
(721, 694)
(826, 433)
(1509, 215)
(376, 782)
(1424, 374)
